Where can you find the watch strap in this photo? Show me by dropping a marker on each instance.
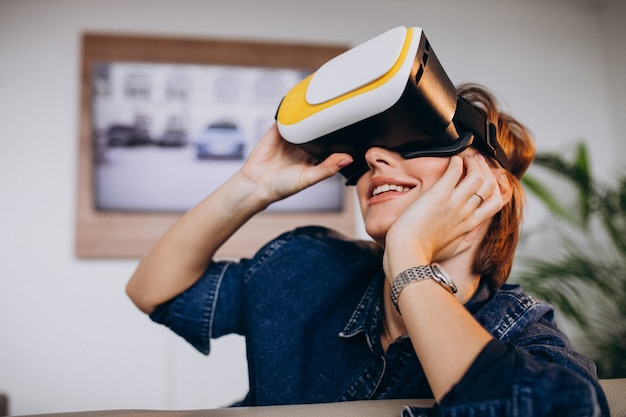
(433, 271)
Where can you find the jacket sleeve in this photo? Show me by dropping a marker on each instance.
(536, 373)
(208, 309)
(215, 305)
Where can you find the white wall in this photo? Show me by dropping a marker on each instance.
(69, 338)
(616, 68)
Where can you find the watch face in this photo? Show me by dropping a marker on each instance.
(442, 276)
(439, 271)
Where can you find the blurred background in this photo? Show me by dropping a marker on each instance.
(70, 338)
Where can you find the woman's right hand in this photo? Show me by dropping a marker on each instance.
(279, 169)
(274, 170)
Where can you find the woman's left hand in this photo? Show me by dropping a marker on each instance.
(445, 219)
(444, 224)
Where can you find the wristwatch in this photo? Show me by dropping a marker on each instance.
(418, 273)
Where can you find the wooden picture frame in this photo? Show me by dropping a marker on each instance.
(130, 234)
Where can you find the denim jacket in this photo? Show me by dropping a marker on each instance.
(309, 305)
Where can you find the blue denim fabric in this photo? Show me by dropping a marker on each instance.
(309, 305)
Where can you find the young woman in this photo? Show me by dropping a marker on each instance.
(329, 319)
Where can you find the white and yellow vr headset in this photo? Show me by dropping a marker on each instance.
(390, 91)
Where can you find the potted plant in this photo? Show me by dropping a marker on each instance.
(576, 258)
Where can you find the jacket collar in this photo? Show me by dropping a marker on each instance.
(367, 312)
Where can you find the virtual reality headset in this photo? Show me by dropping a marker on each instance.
(390, 92)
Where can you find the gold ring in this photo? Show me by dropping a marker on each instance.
(482, 199)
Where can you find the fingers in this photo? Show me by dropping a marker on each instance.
(327, 168)
(482, 199)
(449, 180)
(480, 187)
(337, 161)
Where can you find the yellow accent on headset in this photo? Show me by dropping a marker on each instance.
(294, 107)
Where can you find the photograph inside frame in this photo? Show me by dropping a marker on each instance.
(166, 135)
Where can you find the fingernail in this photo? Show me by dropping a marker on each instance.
(344, 162)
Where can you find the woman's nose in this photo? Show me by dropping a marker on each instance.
(376, 157)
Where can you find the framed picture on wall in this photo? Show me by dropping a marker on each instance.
(165, 121)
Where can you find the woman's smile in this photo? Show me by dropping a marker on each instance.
(382, 189)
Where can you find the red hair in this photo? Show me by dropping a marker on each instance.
(496, 252)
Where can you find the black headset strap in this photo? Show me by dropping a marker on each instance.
(469, 118)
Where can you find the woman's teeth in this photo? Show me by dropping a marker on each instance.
(389, 187)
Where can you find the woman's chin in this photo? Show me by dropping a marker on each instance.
(377, 234)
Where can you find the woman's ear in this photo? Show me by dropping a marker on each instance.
(504, 184)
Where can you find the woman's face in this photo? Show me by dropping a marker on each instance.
(392, 184)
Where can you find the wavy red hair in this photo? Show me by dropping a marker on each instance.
(497, 250)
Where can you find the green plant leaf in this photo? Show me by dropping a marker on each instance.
(547, 198)
(583, 274)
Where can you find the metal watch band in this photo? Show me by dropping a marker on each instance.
(433, 271)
